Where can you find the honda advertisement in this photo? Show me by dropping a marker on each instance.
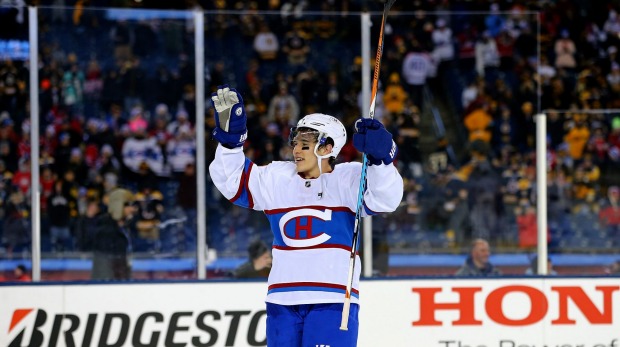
(519, 312)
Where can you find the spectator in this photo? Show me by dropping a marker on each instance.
(308, 86)
(8, 142)
(266, 43)
(61, 206)
(527, 126)
(577, 137)
(525, 44)
(408, 139)
(395, 95)
(15, 235)
(477, 263)
(612, 24)
(296, 47)
(565, 52)
(609, 215)
(505, 48)
(133, 77)
(12, 85)
(457, 208)
(505, 130)
(77, 164)
(21, 274)
(270, 145)
(107, 162)
(331, 98)
(112, 241)
(614, 268)
(487, 57)
(469, 93)
(466, 43)
(187, 199)
(483, 185)
(528, 228)
(546, 71)
(613, 140)
(181, 150)
(166, 87)
(140, 149)
(159, 126)
(86, 224)
(110, 182)
(150, 209)
(443, 51)
(283, 107)
(23, 178)
(122, 36)
(46, 182)
(494, 22)
(62, 153)
(555, 129)
(93, 87)
(73, 89)
(416, 68)
(479, 123)
(181, 120)
(533, 269)
(146, 39)
(258, 264)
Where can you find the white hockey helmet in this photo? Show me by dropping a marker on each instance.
(327, 126)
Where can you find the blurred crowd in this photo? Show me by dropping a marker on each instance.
(117, 109)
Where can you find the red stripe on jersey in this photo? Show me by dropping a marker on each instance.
(247, 186)
(289, 209)
(243, 185)
(284, 248)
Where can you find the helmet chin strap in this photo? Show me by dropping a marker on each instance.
(319, 159)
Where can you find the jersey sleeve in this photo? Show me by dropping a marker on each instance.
(384, 189)
(241, 181)
(229, 171)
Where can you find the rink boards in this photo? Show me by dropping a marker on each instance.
(506, 312)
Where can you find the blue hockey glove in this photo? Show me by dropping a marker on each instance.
(372, 138)
(230, 118)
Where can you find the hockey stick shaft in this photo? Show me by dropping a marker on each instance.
(344, 322)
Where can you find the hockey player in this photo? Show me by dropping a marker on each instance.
(310, 204)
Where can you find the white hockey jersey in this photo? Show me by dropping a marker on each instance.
(312, 236)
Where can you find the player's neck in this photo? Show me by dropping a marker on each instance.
(315, 172)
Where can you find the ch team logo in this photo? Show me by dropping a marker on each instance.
(302, 233)
(239, 111)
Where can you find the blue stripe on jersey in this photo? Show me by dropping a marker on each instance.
(243, 197)
(369, 211)
(310, 289)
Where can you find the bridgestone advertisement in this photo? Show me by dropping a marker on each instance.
(520, 312)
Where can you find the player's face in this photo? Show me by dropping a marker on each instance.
(481, 253)
(303, 153)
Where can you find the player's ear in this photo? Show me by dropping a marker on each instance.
(326, 149)
(329, 148)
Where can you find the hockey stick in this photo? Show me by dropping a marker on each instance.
(344, 322)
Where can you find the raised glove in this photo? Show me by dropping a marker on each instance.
(372, 138)
(230, 118)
